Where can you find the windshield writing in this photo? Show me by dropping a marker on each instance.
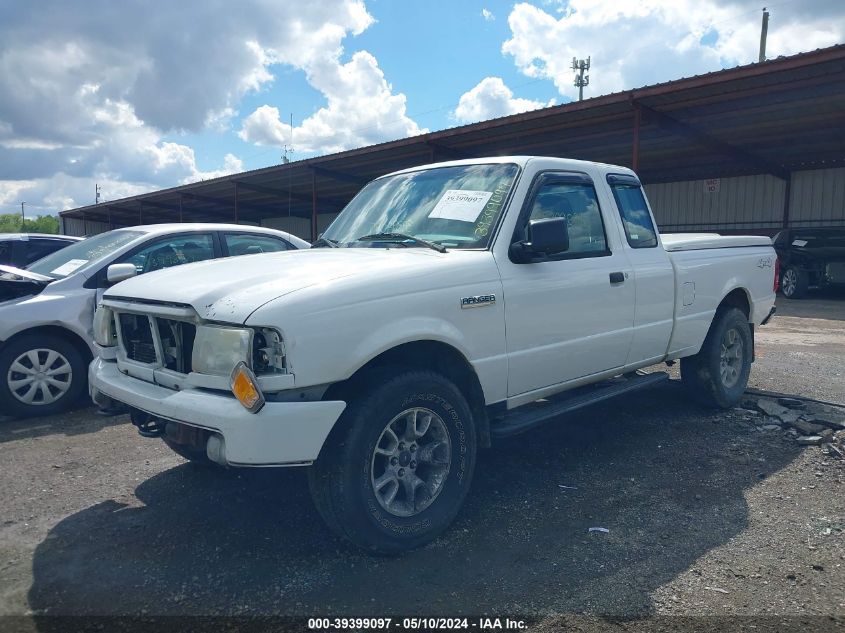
(82, 255)
(452, 206)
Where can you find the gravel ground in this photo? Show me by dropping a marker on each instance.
(708, 515)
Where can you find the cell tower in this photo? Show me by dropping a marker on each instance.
(581, 80)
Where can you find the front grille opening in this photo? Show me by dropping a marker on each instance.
(137, 338)
(177, 344)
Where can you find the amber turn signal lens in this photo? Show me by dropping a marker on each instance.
(245, 388)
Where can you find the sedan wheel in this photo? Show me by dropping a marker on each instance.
(39, 376)
(790, 282)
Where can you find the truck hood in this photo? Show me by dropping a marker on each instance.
(229, 290)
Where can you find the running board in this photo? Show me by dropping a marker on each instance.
(530, 415)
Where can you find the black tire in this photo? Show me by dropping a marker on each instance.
(702, 374)
(794, 283)
(342, 481)
(192, 454)
(69, 357)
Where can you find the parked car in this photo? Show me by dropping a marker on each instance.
(453, 304)
(810, 258)
(47, 309)
(21, 249)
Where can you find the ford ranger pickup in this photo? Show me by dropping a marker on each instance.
(448, 305)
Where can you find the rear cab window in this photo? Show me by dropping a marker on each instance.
(633, 211)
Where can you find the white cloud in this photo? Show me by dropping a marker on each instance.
(639, 43)
(361, 110)
(487, 14)
(84, 101)
(492, 98)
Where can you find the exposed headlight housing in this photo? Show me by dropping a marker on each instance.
(104, 331)
(218, 349)
(268, 352)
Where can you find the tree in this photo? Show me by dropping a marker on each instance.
(11, 223)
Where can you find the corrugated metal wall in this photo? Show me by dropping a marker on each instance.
(744, 202)
(301, 227)
(818, 198)
(80, 228)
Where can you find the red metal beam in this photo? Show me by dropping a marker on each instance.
(635, 150)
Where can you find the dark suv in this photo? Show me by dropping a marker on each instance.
(21, 249)
(812, 257)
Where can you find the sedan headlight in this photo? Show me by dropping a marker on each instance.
(218, 349)
(104, 332)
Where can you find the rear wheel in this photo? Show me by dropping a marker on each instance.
(718, 374)
(40, 374)
(397, 471)
(794, 283)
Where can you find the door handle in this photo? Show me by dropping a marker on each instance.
(617, 278)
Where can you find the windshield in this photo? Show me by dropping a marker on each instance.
(456, 207)
(81, 255)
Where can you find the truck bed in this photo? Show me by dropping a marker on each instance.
(673, 242)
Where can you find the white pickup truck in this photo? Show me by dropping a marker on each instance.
(448, 305)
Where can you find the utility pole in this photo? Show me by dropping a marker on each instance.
(764, 29)
(23, 217)
(580, 65)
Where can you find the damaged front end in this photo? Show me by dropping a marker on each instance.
(17, 284)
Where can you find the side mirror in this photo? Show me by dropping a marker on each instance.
(548, 236)
(119, 272)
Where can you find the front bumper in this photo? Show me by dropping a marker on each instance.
(282, 433)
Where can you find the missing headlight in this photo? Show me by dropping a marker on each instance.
(268, 352)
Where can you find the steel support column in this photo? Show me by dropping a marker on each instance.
(236, 202)
(635, 150)
(313, 205)
(787, 194)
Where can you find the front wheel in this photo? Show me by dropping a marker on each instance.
(40, 374)
(396, 472)
(794, 283)
(718, 374)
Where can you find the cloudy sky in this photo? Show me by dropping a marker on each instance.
(137, 96)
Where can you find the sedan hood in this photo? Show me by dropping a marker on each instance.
(10, 272)
(229, 290)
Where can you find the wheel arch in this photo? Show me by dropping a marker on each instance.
(737, 298)
(56, 330)
(425, 354)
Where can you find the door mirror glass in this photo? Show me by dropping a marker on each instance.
(544, 237)
(119, 272)
(548, 236)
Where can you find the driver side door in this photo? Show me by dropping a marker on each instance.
(571, 314)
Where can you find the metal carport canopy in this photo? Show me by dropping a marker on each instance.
(773, 118)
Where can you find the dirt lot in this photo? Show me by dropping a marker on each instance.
(708, 514)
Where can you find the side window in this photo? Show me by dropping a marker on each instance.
(639, 228)
(577, 203)
(35, 249)
(173, 251)
(6, 252)
(252, 244)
